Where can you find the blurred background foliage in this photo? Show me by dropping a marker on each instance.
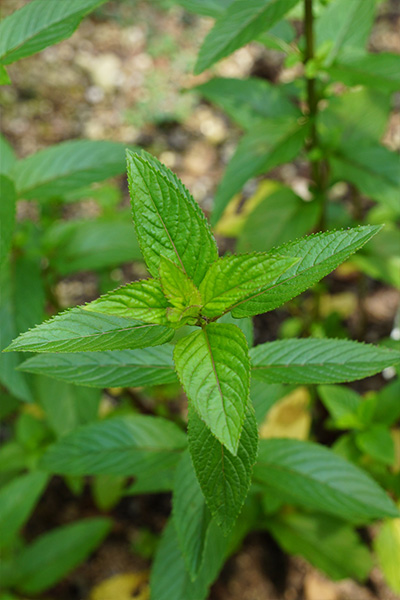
(124, 78)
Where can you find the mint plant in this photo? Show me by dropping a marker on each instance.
(124, 338)
(190, 322)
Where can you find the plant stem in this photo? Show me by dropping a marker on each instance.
(318, 166)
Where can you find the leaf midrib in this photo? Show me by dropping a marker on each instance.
(162, 221)
(279, 283)
(89, 335)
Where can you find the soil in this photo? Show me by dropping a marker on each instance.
(120, 77)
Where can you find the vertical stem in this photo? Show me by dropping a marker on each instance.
(318, 167)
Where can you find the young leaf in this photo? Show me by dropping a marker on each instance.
(178, 288)
(67, 166)
(191, 515)
(321, 540)
(344, 24)
(312, 476)
(250, 101)
(54, 554)
(319, 255)
(241, 23)
(213, 367)
(168, 222)
(291, 216)
(224, 478)
(169, 576)
(118, 368)
(39, 24)
(79, 330)
(7, 215)
(236, 278)
(127, 445)
(265, 146)
(142, 300)
(17, 500)
(315, 360)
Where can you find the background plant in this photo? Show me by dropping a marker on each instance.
(323, 140)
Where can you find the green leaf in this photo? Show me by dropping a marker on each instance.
(7, 215)
(387, 548)
(7, 156)
(13, 380)
(4, 76)
(213, 367)
(118, 368)
(191, 515)
(235, 279)
(326, 542)
(241, 23)
(142, 300)
(269, 144)
(224, 478)
(74, 406)
(17, 500)
(320, 254)
(167, 218)
(72, 246)
(250, 101)
(207, 8)
(343, 405)
(340, 124)
(318, 360)
(54, 554)
(107, 490)
(312, 476)
(291, 216)
(387, 409)
(28, 274)
(178, 288)
(152, 481)
(381, 258)
(39, 24)
(343, 24)
(79, 330)
(128, 445)
(373, 169)
(245, 325)
(169, 576)
(380, 71)
(67, 166)
(263, 396)
(377, 442)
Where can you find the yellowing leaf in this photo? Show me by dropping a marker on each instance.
(395, 433)
(345, 304)
(234, 216)
(124, 586)
(289, 417)
(387, 548)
